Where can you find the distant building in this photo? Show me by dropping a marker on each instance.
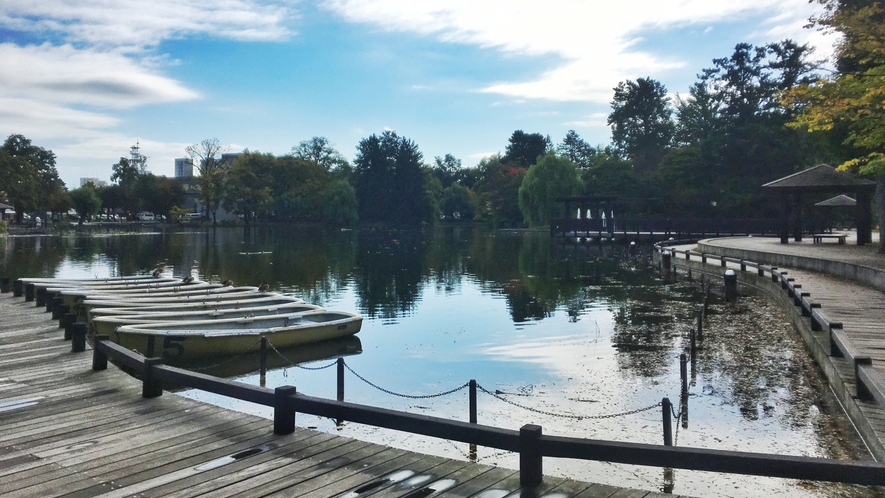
(184, 167)
(94, 181)
(229, 157)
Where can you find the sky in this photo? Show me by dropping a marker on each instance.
(90, 78)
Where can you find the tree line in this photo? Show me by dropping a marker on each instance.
(758, 114)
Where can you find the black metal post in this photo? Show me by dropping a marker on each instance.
(683, 373)
(700, 324)
(694, 345)
(731, 283)
(472, 398)
(18, 288)
(4, 285)
(29, 292)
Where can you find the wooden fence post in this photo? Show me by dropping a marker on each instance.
(340, 369)
(668, 422)
(18, 288)
(151, 387)
(531, 469)
(262, 366)
(472, 398)
(4, 285)
(283, 417)
(78, 337)
(99, 359)
(29, 292)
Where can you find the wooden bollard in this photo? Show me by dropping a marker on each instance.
(283, 417)
(40, 296)
(66, 322)
(99, 359)
(58, 308)
(743, 265)
(774, 274)
(860, 389)
(683, 374)
(29, 292)
(666, 408)
(700, 324)
(49, 300)
(262, 367)
(815, 325)
(5, 285)
(531, 462)
(760, 271)
(665, 260)
(18, 288)
(472, 400)
(340, 378)
(151, 386)
(785, 284)
(78, 337)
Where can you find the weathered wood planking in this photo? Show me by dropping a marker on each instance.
(69, 431)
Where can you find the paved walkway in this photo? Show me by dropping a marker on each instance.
(66, 430)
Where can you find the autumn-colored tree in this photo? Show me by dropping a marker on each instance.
(851, 102)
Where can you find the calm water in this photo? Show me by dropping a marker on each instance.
(560, 329)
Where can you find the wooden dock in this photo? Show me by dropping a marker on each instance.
(66, 430)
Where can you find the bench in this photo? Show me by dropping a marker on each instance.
(818, 238)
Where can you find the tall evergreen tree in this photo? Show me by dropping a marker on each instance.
(640, 120)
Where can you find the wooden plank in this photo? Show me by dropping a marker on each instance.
(338, 485)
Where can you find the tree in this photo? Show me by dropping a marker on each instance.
(458, 202)
(320, 151)
(524, 148)
(640, 121)
(248, 187)
(159, 194)
(29, 177)
(576, 149)
(697, 117)
(446, 169)
(86, 202)
(550, 178)
(297, 188)
(852, 101)
(497, 189)
(340, 204)
(126, 174)
(390, 181)
(211, 182)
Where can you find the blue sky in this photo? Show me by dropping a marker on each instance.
(87, 78)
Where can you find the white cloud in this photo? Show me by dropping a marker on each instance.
(593, 40)
(135, 24)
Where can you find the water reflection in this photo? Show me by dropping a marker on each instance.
(570, 328)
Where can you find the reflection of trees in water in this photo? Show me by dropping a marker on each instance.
(32, 256)
(389, 270)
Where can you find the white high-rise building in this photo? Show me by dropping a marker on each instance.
(184, 167)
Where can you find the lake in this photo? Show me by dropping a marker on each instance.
(568, 336)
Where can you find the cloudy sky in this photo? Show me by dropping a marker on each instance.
(87, 78)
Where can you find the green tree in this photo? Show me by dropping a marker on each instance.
(29, 177)
(851, 102)
(126, 174)
(159, 194)
(552, 177)
(248, 189)
(320, 151)
(497, 189)
(458, 202)
(524, 148)
(640, 120)
(446, 169)
(390, 180)
(576, 149)
(211, 182)
(86, 202)
(340, 204)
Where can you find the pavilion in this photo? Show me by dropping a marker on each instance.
(823, 179)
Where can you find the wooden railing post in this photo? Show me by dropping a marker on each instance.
(531, 467)
(18, 288)
(68, 322)
(262, 367)
(340, 369)
(862, 391)
(99, 359)
(283, 417)
(4, 285)
(29, 292)
(472, 398)
(668, 422)
(151, 387)
(78, 337)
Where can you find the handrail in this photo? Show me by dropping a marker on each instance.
(870, 386)
(529, 441)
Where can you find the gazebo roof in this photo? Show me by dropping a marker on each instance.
(839, 200)
(822, 177)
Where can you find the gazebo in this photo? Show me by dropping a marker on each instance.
(823, 178)
(3, 208)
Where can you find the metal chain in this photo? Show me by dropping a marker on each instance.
(292, 363)
(410, 396)
(563, 415)
(228, 360)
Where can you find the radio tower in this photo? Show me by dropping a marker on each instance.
(136, 157)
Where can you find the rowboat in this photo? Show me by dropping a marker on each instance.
(198, 338)
(73, 296)
(107, 324)
(89, 304)
(126, 308)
